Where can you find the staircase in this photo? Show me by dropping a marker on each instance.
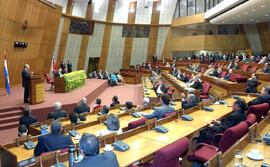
(10, 119)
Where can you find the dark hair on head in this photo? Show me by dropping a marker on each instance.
(241, 104)
(105, 109)
(113, 122)
(267, 89)
(98, 101)
(89, 144)
(115, 98)
(56, 126)
(26, 111)
(129, 105)
(166, 99)
(22, 129)
(73, 117)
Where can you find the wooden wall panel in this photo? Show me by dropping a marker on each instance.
(85, 38)
(264, 34)
(129, 40)
(106, 36)
(194, 19)
(43, 22)
(153, 34)
(166, 50)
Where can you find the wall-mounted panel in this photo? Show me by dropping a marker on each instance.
(139, 51)
(121, 11)
(79, 8)
(166, 11)
(100, 10)
(162, 34)
(62, 3)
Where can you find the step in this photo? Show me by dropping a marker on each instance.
(9, 125)
(14, 118)
(11, 113)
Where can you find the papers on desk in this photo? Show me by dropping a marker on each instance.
(183, 85)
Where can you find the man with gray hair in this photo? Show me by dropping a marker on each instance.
(25, 77)
(57, 113)
(53, 141)
(83, 108)
(89, 145)
(189, 102)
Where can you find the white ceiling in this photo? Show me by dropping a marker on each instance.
(250, 12)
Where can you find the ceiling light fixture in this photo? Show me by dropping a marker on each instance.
(238, 15)
(223, 22)
(245, 12)
(251, 19)
(253, 10)
(262, 6)
(267, 15)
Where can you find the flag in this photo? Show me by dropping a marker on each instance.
(53, 64)
(6, 73)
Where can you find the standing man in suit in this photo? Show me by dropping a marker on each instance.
(63, 65)
(57, 113)
(83, 108)
(25, 77)
(154, 58)
(252, 83)
(263, 98)
(69, 66)
(53, 141)
(160, 111)
(89, 145)
(27, 119)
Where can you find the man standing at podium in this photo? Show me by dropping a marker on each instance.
(25, 77)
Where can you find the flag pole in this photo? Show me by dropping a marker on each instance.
(6, 92)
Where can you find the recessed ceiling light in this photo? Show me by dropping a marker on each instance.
(245, 12)
(253, 10)
(267, 15)
(262, 6)
(223, 22)
(251, 19)
(238, 15)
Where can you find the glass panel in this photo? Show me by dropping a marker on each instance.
(183, 8)
(177, 10)
(200, 6)
(191, 7)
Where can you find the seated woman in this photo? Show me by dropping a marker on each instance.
(113, 125)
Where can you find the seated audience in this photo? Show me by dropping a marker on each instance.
(113, 81)
(207, 72)
(228, 76)
(174, 72)
(128, 105)
(236, 66)
(146, 102)
(266, 69)
(27, 119)
(252, 83)
(73, 117)
(263, 98)
(98, 104)
(120, 78)
(57, 113)
(167, 64)
(184, 78)
(263, 60)
(197, 68)
(229, 66)
(189, 102)
(93, 74)
(150, 67)
(160, 88)
(245, 59)
(89, 146)
(100, 74)
(219, 72)
(196, 83)
(160, 111)
(114, 101)
(252, 59)
(53, 141)
(22, 131)
(113, 125)
(83, 108)
(105, 110)
(213, 72)
(238, 115)
(58, 73)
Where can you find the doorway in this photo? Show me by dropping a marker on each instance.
(92, 64)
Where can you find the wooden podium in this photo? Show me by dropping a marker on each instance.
(59, 85)
(36, 89)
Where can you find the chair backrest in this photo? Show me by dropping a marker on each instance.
(233, 77)
(231, 135)
(254, 69)
(206, 87)
(202, 70)
(259, 110)
(169, 155)
(251, 119)
(171, 92)
(169, 114)
(223, 74)
(245, 67)
(48, 77)
(137, 123)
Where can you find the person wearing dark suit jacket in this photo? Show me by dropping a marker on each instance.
(58, 73)
(263, 98)
(63, 65)
(196, 84)
(154, 58)
(114, 101)
(54, 141)
(266, 69)
(184, 78)
(228, 76)
(252, 83)
(219, 72)
(27, 119)
(189, 102)
(213, 72)
(25, 77)
(69, 66)
(238, 115)
(160, 111)
(57, 113)
(83, 108)
(89, 145)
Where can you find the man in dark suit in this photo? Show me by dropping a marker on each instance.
(27, 119)
(228, 76)
(160, 111)
(154, 58)
(263, 98)
(58, 73)
(189, 102)
(184, 78)
(89, 145)
(25, 77)
(252, 83)
(53, 141)
(65, 71)
(266, 69)
(213, 72)
(69, 66)
(238, 115)
(63, 65)
(83, 108)
(114, 101)
(57, 113)
(174, 72)
(196, 84)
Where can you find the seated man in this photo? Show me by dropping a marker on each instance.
(207, 72)
(65, 71)
(184, 78)
(160, 111)
(263, 98)
(196, 83)
(53, 141)
(266, 69)
(236, 66)
(213, 72)
(238, 115)
(189, 102)
(98, 104)
(73, 117)
(174, 72)
(100, 74)
(57, 113)
(252, 83)
(83, 108)
(58, 73)
(113, 125)
(114, 101)
(219, 72)
(89, 145)
(22, 131)
(128, 105)
(228, 76)
(146, 102)
(27, 119)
